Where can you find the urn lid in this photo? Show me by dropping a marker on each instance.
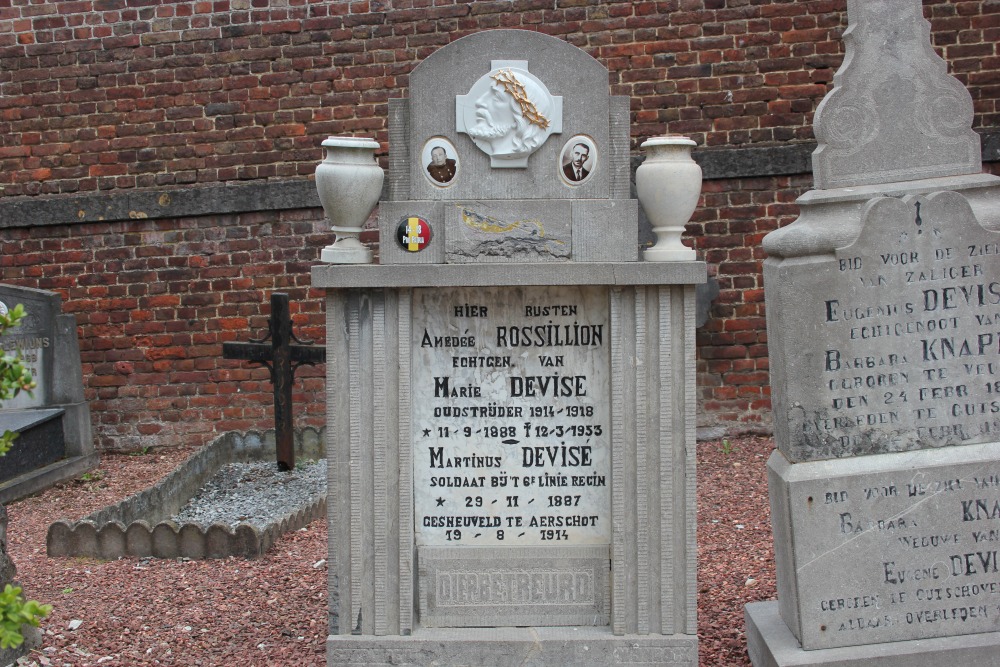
(668, 140)
(351, 142)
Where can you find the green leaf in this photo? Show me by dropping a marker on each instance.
(15, 612)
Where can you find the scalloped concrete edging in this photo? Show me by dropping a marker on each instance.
(140, 525)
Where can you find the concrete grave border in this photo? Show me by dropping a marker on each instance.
(140, 525)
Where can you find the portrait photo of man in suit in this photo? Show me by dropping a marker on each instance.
(441, 168)
(576, 160)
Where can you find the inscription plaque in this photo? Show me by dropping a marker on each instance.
(900, 549)
(511, 424)
(896, 339)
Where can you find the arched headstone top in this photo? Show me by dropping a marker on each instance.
(561, 65)
(506, 101)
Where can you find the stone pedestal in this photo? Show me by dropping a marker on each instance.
(597, 543)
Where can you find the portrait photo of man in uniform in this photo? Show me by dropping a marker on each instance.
(577, 164)
(441, 167)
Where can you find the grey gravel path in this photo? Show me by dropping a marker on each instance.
(255, 493)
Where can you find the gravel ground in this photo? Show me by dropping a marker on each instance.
(735, 552)
(254, 493)
(272, 611)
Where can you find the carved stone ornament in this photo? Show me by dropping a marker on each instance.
(509, 113)
(894, 113)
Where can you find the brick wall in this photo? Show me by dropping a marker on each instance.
(137, 101)
(155, 299)
(109, 94)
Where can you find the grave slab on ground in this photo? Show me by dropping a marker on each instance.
(151, 523)
(883, 301)
(511, 417)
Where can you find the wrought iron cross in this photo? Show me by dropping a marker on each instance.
(281, 358)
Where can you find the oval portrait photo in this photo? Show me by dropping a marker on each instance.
(440, 161)
(578, 160)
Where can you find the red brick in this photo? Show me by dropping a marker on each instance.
(280, 81)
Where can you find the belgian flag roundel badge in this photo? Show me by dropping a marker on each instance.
(413, 233)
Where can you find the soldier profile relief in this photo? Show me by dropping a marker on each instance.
(440, 161)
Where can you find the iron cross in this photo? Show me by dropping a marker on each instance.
(281, 358)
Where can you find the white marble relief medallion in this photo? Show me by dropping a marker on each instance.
(509, 113)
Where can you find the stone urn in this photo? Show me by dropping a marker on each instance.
(349, 182)
(668, 183)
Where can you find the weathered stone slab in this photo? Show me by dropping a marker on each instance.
(40, 440)
(47, 342)
(374, 450)
(513, 586)
(599, 235)
(508, 231)
(886, 548)
(34, 340)
(893, 344)
(894, 113)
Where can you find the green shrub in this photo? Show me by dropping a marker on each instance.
(15, 612)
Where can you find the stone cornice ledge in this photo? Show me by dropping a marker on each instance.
(277, 195)
(789, 159)
(116, 205)
(350, 276)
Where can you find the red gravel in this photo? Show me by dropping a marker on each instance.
(272, 611)
(735, 551)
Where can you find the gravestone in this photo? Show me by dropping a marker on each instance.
(53, 422)
(511, 392)
(883, 313)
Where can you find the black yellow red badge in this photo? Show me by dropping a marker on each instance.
(413, 234)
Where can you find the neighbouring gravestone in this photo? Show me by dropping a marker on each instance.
(511, 392)
(883, 314)
(53, 422)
